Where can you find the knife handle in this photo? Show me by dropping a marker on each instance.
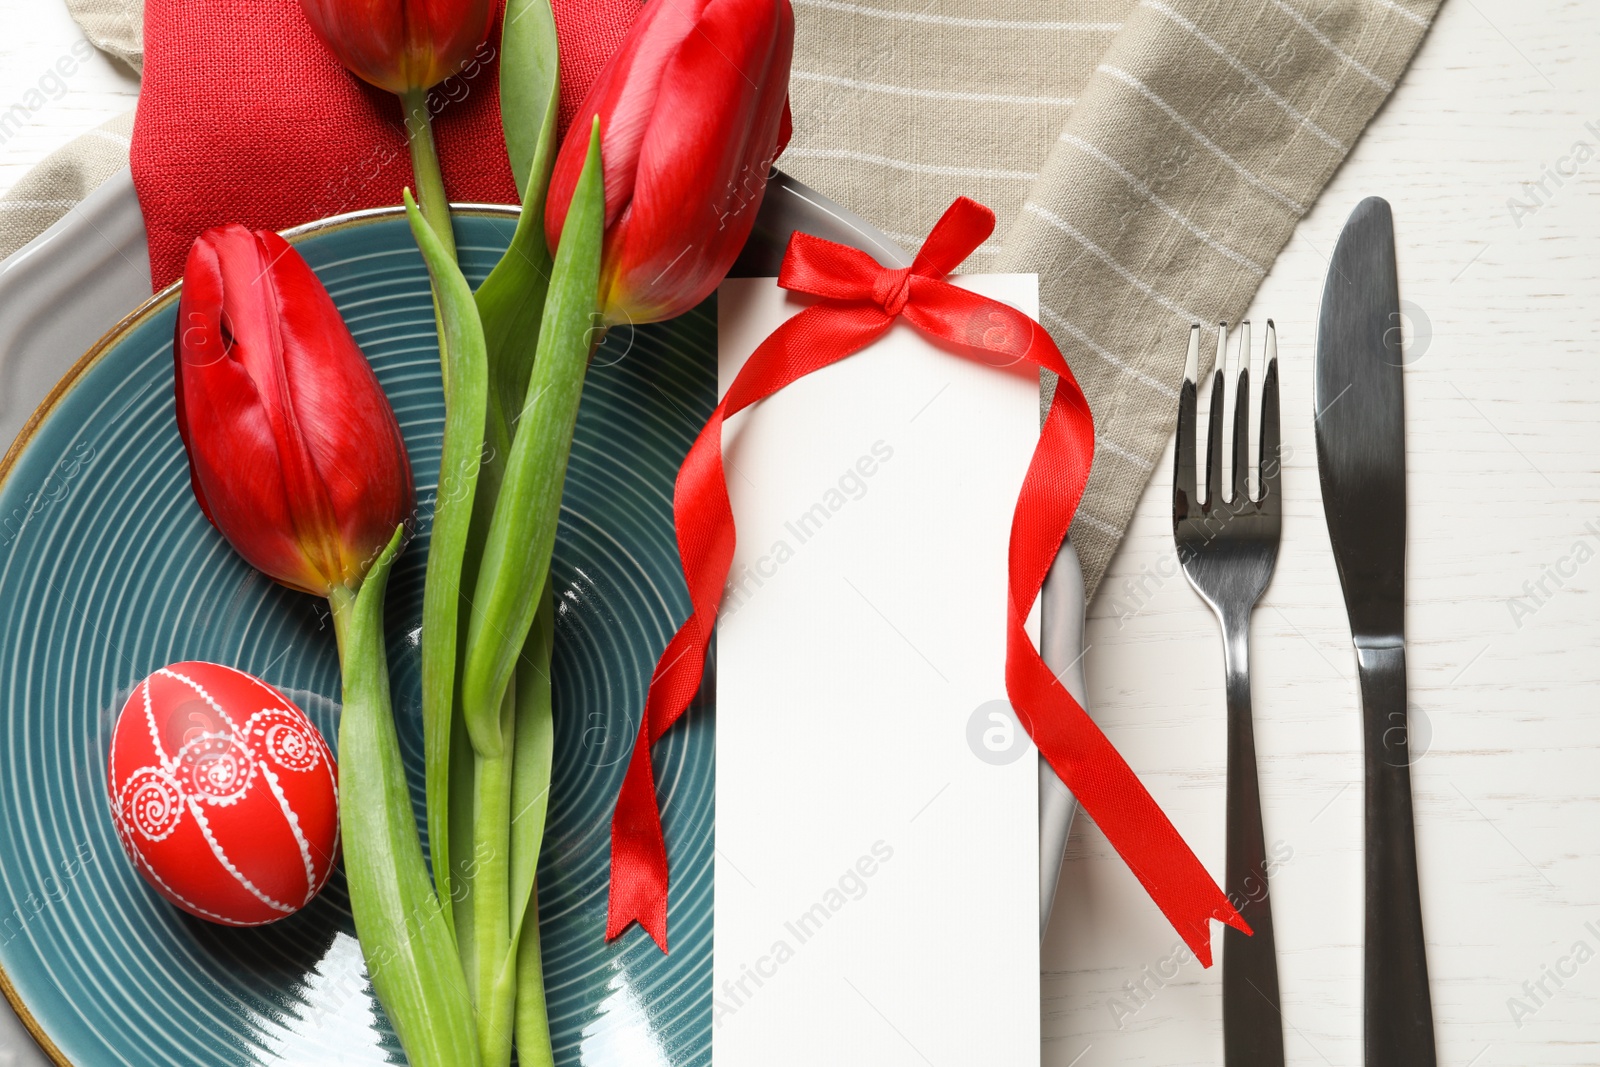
(1398, 1013)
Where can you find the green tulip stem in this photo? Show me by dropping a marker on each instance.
(425, 164)
(533, 1018)
(491, 890)
(530, 803)
(409, 949)
(511, 799)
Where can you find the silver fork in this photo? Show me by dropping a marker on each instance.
(1228, 549)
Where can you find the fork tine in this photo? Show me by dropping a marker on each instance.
(1241, 420)
(1183, 478)
(1214, 424)
(1271, 467)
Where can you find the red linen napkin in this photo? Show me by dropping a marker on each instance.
(246, 117)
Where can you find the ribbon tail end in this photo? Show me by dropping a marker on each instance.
(1199, 942)
(1198, 936)
(621, 914)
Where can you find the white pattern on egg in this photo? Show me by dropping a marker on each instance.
(152, 803)
(284, 739)
(216, 768)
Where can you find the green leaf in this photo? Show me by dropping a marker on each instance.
(462, 813)
(511, 299)
(462, 352)
(405, 937)
(510, 304)
(522, 534)
(529, 83)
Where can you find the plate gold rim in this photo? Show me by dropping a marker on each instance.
(75, 373)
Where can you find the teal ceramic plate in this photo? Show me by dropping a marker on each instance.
(109, 571)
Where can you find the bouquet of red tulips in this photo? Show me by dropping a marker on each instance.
(635, 218)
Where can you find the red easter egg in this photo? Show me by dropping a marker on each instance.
(224, 794)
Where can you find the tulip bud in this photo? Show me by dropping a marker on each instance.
(401, 45)
(693, 110)
(294, 452)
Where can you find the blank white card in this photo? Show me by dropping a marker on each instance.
(877, 850)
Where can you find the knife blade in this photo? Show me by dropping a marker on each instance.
(1360, 435)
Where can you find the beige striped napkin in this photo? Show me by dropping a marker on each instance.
(1148, 158)
(116, 27)
(63, 178)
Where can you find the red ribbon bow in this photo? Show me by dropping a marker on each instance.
(860, 301)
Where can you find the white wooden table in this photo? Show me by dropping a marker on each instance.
(40, 109)
(1503, 409)
(1504, 439)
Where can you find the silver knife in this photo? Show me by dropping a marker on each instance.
(1361, 457)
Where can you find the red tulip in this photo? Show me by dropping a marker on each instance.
(294, 452)
(402, 44)
(693, 110)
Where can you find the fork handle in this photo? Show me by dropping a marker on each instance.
(1398, 1030)
(1252, 1025)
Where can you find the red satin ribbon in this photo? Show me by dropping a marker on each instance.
(860, 301)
